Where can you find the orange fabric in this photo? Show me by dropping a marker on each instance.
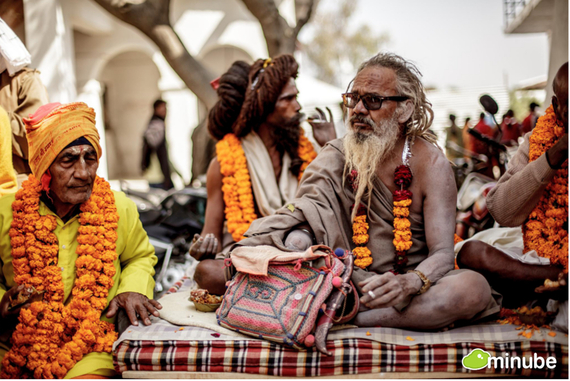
(53, 126)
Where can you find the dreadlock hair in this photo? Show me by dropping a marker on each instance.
(266, 81)
(231, 93)
(410, 85)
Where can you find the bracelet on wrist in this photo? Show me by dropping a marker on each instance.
(426, 282)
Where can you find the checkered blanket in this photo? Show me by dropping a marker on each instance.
(167, 347)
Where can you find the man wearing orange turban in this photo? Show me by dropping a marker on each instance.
(72, 253)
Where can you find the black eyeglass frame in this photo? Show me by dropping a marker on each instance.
(363, 98)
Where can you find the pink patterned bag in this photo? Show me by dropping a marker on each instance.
(277, 295)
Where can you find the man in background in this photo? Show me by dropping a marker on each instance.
(21, 94)
(154, 142)
(454, 140)
(530, 121)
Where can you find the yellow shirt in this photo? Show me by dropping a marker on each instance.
(8, 182)
(135, 266)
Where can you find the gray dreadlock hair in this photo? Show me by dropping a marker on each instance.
(410, 85)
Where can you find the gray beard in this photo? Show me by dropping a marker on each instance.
(366, 151)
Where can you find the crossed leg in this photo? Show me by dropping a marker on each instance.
(515, 280)
(454, 297)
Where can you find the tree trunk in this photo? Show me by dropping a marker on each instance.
(152, 18)
(279, 36)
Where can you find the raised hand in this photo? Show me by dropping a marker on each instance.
(204, 247)
(323, 129)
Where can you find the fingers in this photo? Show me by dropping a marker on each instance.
(376, 282)
(131, 312)
(113, 308)
(156, 304)
(142, 307)
(210, 245)
(196, 237)
(196, 248)
(322, 114)
(330, 114)
(385, 300)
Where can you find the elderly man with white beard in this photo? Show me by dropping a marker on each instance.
(387, 193)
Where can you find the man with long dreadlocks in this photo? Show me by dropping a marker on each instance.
(261, 156)
(386, 192)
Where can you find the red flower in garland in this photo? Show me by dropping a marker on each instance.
(403, 194)
(403, 176)
(402, 201)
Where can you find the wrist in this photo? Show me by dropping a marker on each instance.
(414, 283)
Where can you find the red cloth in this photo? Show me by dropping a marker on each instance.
(528, 123)
(510, 129)
(475, 144)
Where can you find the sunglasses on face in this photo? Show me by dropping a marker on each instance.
(370, 101)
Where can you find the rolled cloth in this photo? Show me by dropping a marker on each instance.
(53, 127)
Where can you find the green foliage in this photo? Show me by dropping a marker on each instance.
(519, 101)
(334, 48)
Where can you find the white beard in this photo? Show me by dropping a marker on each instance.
(365, 151)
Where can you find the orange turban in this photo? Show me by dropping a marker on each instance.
(53, 127)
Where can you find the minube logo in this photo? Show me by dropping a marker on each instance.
(479, 359)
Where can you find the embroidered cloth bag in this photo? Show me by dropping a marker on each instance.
(277, 295)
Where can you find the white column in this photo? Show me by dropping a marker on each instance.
(91, 94)
(49, 39)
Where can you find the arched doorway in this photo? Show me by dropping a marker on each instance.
(130, 82)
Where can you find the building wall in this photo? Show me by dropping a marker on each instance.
(130, 83)
(558, 44)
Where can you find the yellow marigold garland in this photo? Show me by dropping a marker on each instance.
(544, 230)
(50, 337)
(236, 183)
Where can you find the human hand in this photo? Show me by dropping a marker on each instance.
(5, 310)
(559, 286)
(134, 303)
(298, 240)
(558, 153)
(388, 290)
(203, 248)
(323, 129)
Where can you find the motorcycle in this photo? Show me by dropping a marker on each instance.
(170, 219)
(472, 214)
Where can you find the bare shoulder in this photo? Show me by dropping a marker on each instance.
(431, 168)
(214, 175)
(429, 158)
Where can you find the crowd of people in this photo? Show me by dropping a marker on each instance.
(460, 143)
(73, 252)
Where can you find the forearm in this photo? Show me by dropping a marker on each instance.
(513, 198)
(437, 265)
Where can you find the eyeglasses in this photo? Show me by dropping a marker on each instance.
(370, 101)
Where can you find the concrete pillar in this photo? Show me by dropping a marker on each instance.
(558, 44)
(49, 39)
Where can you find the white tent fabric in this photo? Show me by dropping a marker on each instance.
(14, 55)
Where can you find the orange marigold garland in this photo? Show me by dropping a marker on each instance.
(50, 337)
(306, 153)
(545, 230)
(360, 230)
(236, 186)
(402, 199)
(236, 183)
